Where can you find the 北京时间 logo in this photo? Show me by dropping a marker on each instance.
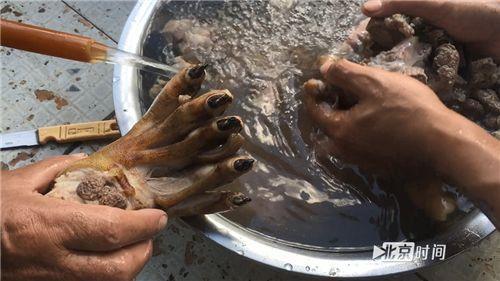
(407, 251)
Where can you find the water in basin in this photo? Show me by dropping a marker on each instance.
(263, 52)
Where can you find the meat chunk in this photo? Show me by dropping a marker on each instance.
(492, 122)
(388, 32)
(489, 99)
(445, 63)
(472, 109)
(484, 73)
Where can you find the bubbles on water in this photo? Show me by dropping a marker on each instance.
(255, 43)
(263, 52)
(288, 267)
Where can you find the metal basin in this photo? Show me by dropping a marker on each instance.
(130, 103)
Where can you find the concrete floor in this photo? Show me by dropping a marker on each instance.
(83, 92)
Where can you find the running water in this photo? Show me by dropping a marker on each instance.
(263, 52)
(116, 56)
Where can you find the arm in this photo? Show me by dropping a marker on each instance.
(50, 239)
(469, 158)
(397, 120)
(463, 20)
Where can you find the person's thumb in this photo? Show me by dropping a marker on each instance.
(431, 11)
(353, 78)
(41, 174)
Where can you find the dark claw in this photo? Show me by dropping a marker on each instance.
(240, 199)
(243, 165)
(229, 123)
(197, 71)
(219, 100)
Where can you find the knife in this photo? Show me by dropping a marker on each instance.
(61, 134)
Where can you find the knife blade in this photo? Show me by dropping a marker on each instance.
(17, 139)
(61, 134)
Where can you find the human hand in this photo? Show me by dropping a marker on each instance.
(465, 21)
(45, 238)
(395, 125)
(392, 122)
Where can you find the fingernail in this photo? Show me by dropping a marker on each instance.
(81, 154)
(150, 250)
(162, 222)
(197, 71)
(229, 123)
(219, 100)
(243, 165)
(314, 86)
(372, 6)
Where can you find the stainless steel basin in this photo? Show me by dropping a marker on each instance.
(355, 262)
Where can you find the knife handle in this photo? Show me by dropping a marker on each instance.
(79, 132)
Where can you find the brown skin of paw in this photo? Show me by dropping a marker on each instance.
(207, 203)
(220, 174)
(182, 84)
(167, 129)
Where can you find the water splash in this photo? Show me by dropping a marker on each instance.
(263, 51)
